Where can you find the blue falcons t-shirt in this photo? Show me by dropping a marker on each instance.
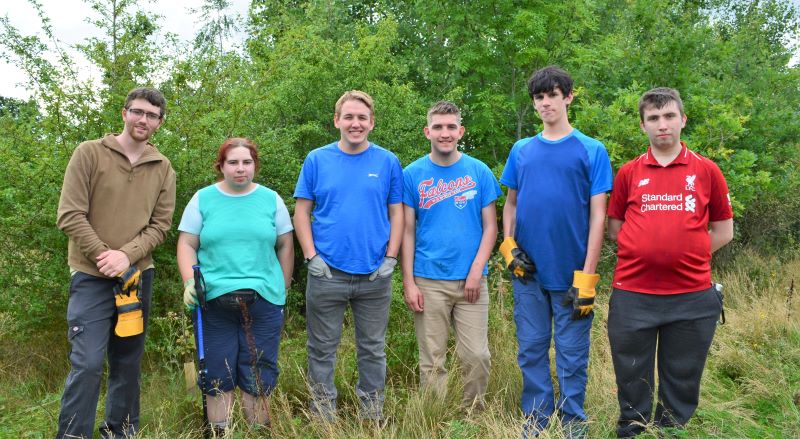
(555, 181)
(448, 202)
(351, 195)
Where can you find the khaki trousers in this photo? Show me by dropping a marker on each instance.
(444, 305)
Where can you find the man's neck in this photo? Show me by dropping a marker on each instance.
(557, 131)
(444, 159)
(349, 148)
(132, 149)
(665, 155)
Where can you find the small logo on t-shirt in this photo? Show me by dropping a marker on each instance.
(644, 182)
(372, 175)
(461, 200)
(691, 203)
(690, 182)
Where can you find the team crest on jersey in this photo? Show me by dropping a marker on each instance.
(461, 200)
(430, 193)
(690, 182)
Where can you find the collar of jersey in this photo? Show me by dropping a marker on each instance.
(681, 159)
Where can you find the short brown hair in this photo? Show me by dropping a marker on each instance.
(658, 98)
(150, 95)
(444, 107)
(235, 142)
(354, 95)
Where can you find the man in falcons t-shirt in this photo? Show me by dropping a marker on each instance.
(669, 211)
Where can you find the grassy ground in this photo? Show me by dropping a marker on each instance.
(751, 387)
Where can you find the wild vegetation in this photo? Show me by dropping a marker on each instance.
(731, 60)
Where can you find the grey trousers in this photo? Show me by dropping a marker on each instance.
(92, 315)
(326, 302)
(678, 329)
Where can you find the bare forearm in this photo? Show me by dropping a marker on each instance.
(285, 253)
(721, 233)
(408, 246)
(302, 227)
(395, 229)
(614, 226)
(510, 214)
(488, 239)
(187, 255)
(597, 223)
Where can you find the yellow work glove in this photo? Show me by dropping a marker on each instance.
(581, 295)
(189, 294)
(517, 261)
(129, 308)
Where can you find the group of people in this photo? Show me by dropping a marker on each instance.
(357, 211)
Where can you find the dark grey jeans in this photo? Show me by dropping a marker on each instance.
(92, 315)
(326, 302)
(680, 328)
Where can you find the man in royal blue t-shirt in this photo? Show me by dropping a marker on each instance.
(450, 230)
(553, 223)
(355, 190)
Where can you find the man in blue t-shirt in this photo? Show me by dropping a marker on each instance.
(553, 223)
(450, 230)
(355, 189)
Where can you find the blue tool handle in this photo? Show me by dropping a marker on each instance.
(200, 349)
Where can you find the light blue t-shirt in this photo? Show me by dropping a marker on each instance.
(448, 202)
(555, 181)
(351, 195)
(237, 236)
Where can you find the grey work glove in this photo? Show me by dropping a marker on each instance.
(318, 268)
(386, 269)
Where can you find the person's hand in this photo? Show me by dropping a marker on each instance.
(413, 297)
(519, 264)
(112, 263)
(386, 268)
(472, 287)
(318, 268)
(189, 294)
(581, 294)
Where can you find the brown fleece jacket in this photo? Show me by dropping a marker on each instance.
(108, 204)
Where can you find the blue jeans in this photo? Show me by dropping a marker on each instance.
(540, 316)
(92, 315)
(326, 302)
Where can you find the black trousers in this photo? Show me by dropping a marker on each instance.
(678, 328)
(92, 315)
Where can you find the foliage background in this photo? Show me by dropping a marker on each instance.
(731, 60)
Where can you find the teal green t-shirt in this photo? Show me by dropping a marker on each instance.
(237, 244)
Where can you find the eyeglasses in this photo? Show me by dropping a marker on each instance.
(139, 113)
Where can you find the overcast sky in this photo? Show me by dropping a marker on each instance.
(68, 20)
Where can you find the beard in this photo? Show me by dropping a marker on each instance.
(138, 135)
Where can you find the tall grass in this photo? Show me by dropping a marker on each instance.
(751, 387)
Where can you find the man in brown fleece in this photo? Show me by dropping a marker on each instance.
(116, 207)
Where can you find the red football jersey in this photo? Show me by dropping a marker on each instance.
(664, 246)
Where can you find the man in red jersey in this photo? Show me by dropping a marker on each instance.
(669, 211)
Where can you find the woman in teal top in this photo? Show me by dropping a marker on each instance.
(240, 233)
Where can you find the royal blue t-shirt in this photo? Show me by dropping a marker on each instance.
(555, 181)
(448, 202)
(351, 195)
